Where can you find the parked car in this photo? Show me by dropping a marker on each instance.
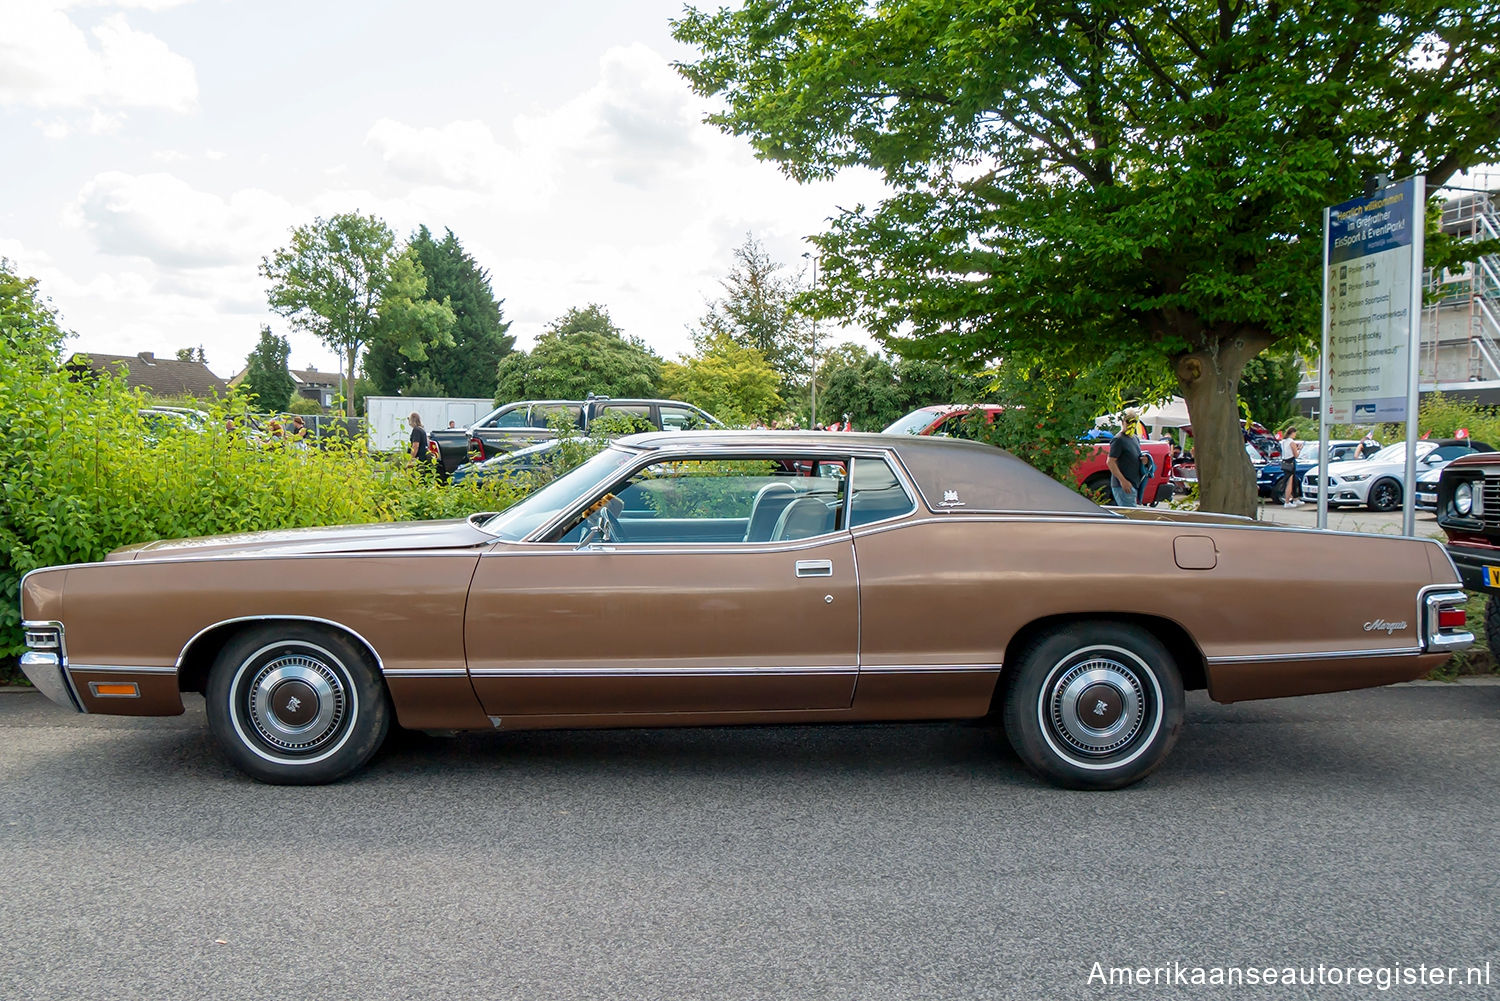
(1270, 480)
(527, 422)
(1092, 471)
(703, 578)
(539, 459)
(1429, 477)
(163, 421)
(1378, 482)
(1468, 511)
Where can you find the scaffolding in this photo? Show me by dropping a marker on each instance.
(1461, 316)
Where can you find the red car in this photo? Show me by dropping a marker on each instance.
(1092, 471)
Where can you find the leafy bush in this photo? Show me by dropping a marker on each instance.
(81, 477)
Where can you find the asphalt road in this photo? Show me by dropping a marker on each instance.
(892, 861)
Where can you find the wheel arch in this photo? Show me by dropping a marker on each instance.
(1179, 643)
(200, 652)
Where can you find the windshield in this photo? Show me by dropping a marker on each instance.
(915, 422)
(535, 510)
(1397, 453)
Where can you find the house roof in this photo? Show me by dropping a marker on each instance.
(312, 377)
(160, 376)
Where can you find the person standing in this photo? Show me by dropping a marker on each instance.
(1125, 460)
(419, 450)
(1290, 449)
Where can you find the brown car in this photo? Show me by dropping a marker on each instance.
(696, 578)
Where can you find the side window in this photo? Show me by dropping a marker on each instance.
(626, 414)
(681, 419)
(515, 417)
(876, 493)
(718, 500)
(542, 416)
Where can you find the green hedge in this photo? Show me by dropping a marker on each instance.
(81, 476)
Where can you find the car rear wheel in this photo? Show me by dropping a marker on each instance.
(1093, 705)
(296, 704)
(1385, 495)
(1492, 621)
(1097, 486)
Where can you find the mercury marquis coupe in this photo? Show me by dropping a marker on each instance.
(696, 578)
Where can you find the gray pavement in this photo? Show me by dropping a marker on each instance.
(873, 862)
(1349, 519)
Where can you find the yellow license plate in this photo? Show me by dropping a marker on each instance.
(1492, 576)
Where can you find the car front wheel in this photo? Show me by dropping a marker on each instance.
(296, 704)
(1093, 705)
(1385, 495)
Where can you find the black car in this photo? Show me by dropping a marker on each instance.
(528, 422)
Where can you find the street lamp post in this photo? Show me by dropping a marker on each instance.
(812, 418)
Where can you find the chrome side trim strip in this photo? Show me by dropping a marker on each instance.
(119, 669)
(1272, 658)
(427, 672)
(931, 669)
(713, 672)
(654, 672)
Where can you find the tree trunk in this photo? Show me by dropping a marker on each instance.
(1209, 380)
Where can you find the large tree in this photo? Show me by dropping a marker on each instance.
(581, 352)
(467, 366)
(729, 380)
(1120, 182)
(266, 375)
(409, 325)
(330, 280)
(758, 310)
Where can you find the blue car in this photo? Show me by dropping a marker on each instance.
(1270, 481)
(541, 458)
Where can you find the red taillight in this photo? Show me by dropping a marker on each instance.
(1452, 618)
(476, 447)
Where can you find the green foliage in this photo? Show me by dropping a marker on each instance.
(408, 323)
(466, 367)
(581, 352)
(193, 354)
(730, 381)
(1045, 412)
(758, 311)
(873, 392)
(1268, 388)
(266, 376)
(1071, 181)
(330, 280)
(79, 478)
(29, 327)
(302, 405)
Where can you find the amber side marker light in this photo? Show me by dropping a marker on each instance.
(115, 689)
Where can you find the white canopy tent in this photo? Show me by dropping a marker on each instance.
(1171, 413)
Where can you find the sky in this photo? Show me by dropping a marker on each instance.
(152, 152)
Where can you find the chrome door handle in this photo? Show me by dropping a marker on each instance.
(814, 568)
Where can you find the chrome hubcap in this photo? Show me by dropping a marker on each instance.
(296, 703)
(1096, 706)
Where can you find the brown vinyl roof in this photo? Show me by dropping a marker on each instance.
(159, 376)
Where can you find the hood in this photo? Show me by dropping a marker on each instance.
(401, 536)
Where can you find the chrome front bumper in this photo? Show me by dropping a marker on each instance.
(47, 668)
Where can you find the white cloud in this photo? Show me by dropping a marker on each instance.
(457, 155)
(48, 61)
(164, 219)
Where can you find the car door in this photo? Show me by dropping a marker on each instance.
(682, 608)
